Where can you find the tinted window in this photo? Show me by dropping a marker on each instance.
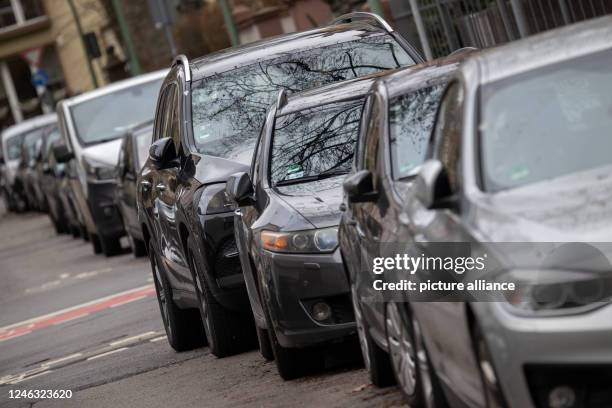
(314, 141)
(411, 118)
(229, 108)
(547, 123)
(447, 133)
(112, 115)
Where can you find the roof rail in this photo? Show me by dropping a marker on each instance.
(363, 16)
(182, 60)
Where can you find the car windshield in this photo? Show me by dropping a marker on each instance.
(411, 118)
(110, 116)
(143, 142)
(315, 142)
(13, 146)
(229, 108)
(547, 123)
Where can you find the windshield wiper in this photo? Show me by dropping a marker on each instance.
(306, 179)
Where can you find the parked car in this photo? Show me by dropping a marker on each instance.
(12, 141)
(133, 153)
(520, 156)
(26, 173)
(50, 174)
(208, 117)
(66, 173)
(92, 125)
(287, 224)
(398, 117)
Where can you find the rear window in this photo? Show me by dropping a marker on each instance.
(229, 108)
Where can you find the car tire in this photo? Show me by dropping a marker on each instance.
(227, 332)
(183, 326)
(432, 394)
(84, 233)
(265, 347)
(111, 246)
(96, 244)
(375, 359)
(75, 231)
(293, 363)
(139, 248)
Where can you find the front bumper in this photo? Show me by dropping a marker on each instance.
(294, 283)
(103, 209)
(533, 356)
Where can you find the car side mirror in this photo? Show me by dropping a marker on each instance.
(163, 153)
(62, 153)
(239, 189)
(432, 186)
(359, 187)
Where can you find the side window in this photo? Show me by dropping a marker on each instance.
(174, 128)
(370, 152)
(256, 159)
(363, 130)
(129, 156)
(160, 115)
(447, 133)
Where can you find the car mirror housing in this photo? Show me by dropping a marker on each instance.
(163, 153)
(239, 189)
(432, 186)
(359, 187)
(62, 153)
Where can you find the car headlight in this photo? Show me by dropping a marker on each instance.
(98, 171)
(310, 241)
(557, 292)
(214, 200)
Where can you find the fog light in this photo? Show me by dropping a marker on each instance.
(321, 311)
(561, 397)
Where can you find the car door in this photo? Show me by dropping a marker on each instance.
(166, 193)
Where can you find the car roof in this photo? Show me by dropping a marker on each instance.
(29, 124)
(545, 49)
(274, 47)
(408, 79)
(115, 86)
(332, 93)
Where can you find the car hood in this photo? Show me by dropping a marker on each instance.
(106, 153)
(317, 201)
(211, 169)
(574, 208)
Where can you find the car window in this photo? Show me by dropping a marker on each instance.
(370, 153)
(411, 118)
(314, 141)
(110, 116)
(13, 147)
(53, 136)
(363, 128)
(143, 142)
(229, 108)
(447, 133)
(547, 123)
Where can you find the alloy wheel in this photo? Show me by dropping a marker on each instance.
(401, 350)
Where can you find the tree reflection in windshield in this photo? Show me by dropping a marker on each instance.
(229, 108)
(315, 141)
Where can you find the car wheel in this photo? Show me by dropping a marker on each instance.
(402, 352)
(432, 395)
(293, 363)
(138, 246)
(376, 360)
(84, 234)
(75, 231)
(227, 332)
(183, 326)
(265, 348)
(111, 246)
(95, 243)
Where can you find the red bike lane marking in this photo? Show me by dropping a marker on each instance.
(37, 323)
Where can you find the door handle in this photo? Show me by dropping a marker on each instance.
(160, 187)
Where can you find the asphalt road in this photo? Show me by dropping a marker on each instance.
(70, 320)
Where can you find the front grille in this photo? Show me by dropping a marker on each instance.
(590, 384)
(227, 261)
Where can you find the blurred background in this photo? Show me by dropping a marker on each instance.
(50, 49)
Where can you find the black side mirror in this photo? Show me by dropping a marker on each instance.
(432, 186)
(163, 153)
(359, 187)
(239, 189)
(62, 153)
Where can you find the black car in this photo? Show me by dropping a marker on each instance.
(398, 118)
(50, 174)
(287, 224)
(27, 175)
(132, 155)
(209, 114)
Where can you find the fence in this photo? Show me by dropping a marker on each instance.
(442, 26)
